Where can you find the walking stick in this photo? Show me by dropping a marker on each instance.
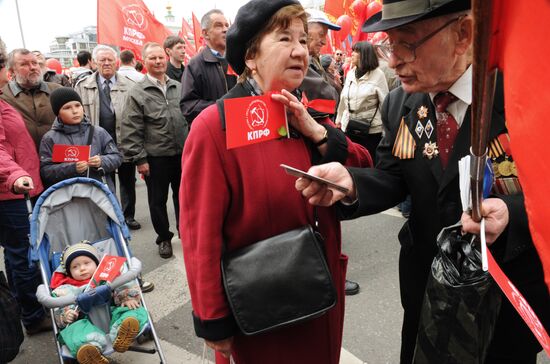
(484, 80)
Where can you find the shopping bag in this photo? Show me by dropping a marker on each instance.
(461, 304)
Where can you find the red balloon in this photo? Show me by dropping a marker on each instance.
(345, 22)
(54, 65)
(373, 8)
(358, 8)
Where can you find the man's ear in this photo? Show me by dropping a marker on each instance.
(205, 33)
(465, 34)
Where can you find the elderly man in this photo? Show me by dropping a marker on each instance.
(153, 132)
(104, 97)
(207, 78)
(29, 94)
(49, 75)
(317, 84)
(175, 50)
(430, 47)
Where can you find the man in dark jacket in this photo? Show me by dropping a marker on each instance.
(427, 130)
(174, 47)
(206, 77)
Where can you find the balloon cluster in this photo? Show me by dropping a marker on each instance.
(353, 19)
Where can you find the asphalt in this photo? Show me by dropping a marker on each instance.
(373, 317)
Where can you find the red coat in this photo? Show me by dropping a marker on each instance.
(239, 197)
(18, 156)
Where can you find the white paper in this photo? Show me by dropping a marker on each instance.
(464, 181)
(484, 262)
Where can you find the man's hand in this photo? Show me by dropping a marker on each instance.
(143, 169)
(495, 212)
(81, 166)
(223, 346)
(321, 195)
(95, 161)
(131, 303)
(23, 184)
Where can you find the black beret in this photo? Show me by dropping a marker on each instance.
(250, 20)
(60, 96)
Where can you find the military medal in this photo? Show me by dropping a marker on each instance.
(495, 169)
(429, 129)
(430, 150)
(422, 112)
(505, 168)
(419, 129)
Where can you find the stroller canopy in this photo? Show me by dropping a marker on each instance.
(73, 210)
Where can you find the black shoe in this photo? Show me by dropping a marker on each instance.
(42, 325)
(133, 224)
(146, 286)
(165, 249)
(352, 288)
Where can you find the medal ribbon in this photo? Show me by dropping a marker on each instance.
(504, 140)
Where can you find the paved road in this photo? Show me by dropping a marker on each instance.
(373, 317)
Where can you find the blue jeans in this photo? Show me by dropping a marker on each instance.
(23, 281)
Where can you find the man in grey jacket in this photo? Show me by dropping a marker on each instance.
(152, 135)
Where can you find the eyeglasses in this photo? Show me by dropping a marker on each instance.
(405, 51)
(338, 54)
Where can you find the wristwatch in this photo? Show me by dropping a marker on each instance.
(323, 140)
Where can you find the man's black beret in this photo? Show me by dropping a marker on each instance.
(250, 20)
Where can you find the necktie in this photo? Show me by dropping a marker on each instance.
(107, 89)
(447, 128)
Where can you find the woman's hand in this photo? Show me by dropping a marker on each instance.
(223, 346)
(81, 166)
(321, 195)
(300, 119)
(495, 212)
(70, 316)
(23, 184)
(131, 303)
(95, 161)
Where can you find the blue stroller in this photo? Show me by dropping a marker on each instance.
(68, 212)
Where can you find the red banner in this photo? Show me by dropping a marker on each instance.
(254, 119)
(128, 24)
(197, 31)
(519, 303)
(70, 153)
(186, 33)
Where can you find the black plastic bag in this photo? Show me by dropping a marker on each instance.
(461, 304)
(11, 333)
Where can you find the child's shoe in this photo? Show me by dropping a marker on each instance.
(90, 354)
(129, 328)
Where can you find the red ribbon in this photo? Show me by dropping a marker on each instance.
(321, 105)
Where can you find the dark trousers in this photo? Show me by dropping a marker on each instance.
(23, 281)
(164, 172)
(127, 180)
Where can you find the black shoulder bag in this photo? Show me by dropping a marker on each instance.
(278, 281)
(11, 334)
(356, 127)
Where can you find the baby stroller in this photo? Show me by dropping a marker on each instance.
(68, 212)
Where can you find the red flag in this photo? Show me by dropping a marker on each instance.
(107, 270)
(254, 119)
(186, 33)
(197, 31)
(70, 153)
(521, 27)
(128, 24)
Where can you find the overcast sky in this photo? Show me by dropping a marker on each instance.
(43, 20)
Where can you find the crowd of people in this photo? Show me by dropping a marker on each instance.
(396, 129)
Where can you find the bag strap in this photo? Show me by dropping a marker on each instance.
(90, 135)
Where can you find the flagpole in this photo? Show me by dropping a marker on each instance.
(20, 26)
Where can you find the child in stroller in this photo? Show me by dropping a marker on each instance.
(86, 341)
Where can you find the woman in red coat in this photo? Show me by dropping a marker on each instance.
(240, 196)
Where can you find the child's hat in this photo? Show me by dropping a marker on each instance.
(77, 250)
(61, 96)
